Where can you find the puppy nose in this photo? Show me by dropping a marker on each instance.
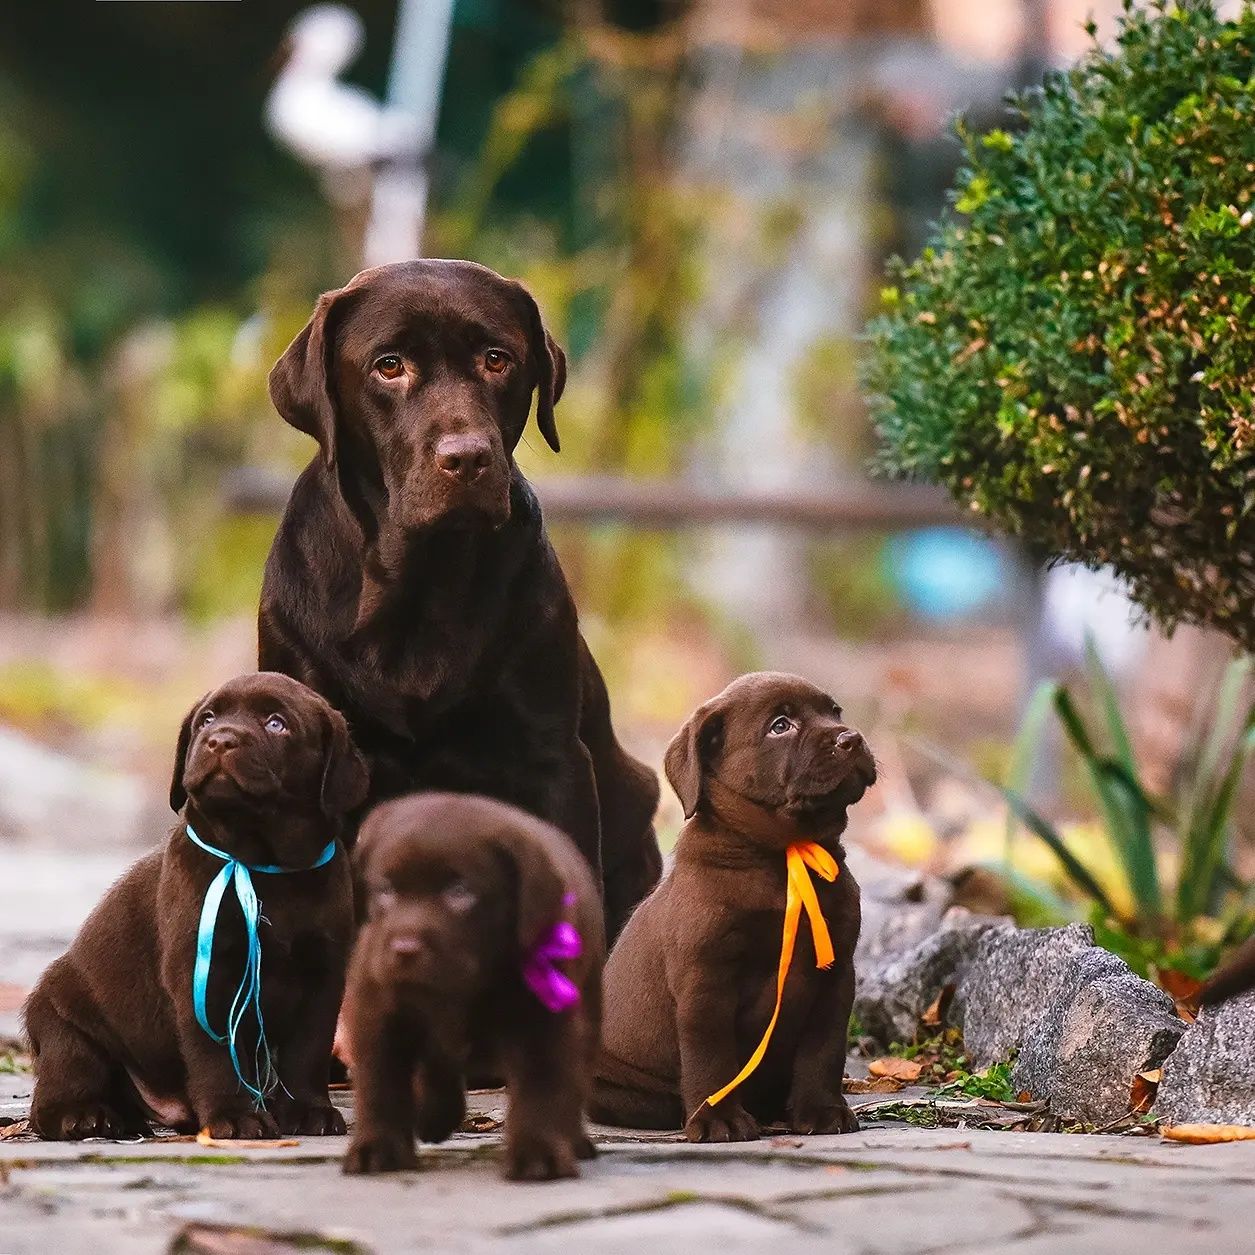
(407, 944)
(219, 740)
(464, 458)
(849, 741)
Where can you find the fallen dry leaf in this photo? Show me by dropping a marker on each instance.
(1208, 1134)
(932, 1017)
(1143, 1090)
(15, 1128)
(898, 1069)
(244, 1143)
(1182, 988)
(872, 1085)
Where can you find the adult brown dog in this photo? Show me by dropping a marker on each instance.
(411, 581)
(466, 900)
(691, 984)
(267, 772)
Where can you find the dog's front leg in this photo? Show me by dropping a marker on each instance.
(816, 1102)
(706, 1025)
(384, 1060)
(305, 1058)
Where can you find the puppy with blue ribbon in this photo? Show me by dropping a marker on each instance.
(202, 993)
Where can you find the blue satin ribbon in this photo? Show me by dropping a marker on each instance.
(249, 992)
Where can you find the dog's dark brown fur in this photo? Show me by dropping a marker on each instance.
(691, 983)
(411, 581)
(111, 1023)
(459, 890)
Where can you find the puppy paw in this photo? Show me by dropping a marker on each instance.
(729, 1122)
(73, 1122)
(310, 1119)
(823, 1116)
(540, 1157)
(440, 1115)
(584, 1148)
(380, 1152)
(246, 1125)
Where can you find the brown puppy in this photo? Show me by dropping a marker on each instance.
(691, 984)
(411, 581)
(267, 772)
(466, 963)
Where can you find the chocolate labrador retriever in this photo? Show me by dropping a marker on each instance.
(267, 772)
(692, 982)
(482, 950)
(411, 581)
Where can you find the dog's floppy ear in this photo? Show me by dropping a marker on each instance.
(550, 370)
(178, 794)
(345, 778)
(688, 755)
(300, 382)
(538, 886)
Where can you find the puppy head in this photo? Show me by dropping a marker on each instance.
(264, 745)
(458, 888)
(416, 380)
(776, 741)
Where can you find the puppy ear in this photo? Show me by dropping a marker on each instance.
(178, 794)
(688, 755)
(300, 383)
(550, 367)
(345, 778)
(539, 887)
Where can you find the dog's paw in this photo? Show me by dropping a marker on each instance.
(729, 1122)
(247, 1125)
(584, 1148)
(540, 1157)
(440, 1115)
(380, 1152)
(75, 1121)
(826, 1116)
(310, 1119)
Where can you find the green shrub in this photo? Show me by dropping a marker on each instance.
(1074, 354)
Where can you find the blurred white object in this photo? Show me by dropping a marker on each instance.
(343, 131)
(1078, 602)
(328, 124)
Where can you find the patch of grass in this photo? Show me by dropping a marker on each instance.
(946, 1065)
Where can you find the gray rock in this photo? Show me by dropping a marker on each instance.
(1105, 1025)
(900, 908)
(1013, 977)
(1210, 1077)
(893, 996)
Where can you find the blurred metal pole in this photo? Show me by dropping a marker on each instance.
(399, 201)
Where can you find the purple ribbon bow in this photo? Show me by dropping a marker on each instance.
(555, 989)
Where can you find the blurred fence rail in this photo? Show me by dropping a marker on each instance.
(666, 503)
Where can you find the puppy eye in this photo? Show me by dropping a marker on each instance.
(496, 360)
(458, 896)
(207, 718)
(276, 723)
(383, 898)
(390, 366)
(780, 725)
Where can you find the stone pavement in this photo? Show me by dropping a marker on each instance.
(892, 1188)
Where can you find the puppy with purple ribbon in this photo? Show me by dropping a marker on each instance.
(481, 953)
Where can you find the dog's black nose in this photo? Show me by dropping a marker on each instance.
(464, 458)
(219, 740)
(850, 741)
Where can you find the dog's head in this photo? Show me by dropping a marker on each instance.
(776, 742)
(458, 888)
(416, 380)
(265, 747)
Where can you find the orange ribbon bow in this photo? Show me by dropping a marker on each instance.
(801, 893)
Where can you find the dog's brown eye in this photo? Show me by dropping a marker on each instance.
(390, 366)
(207, 718)
(496, 360)
(276, 723)
(384, 899)
(780, 725)
(458, 896)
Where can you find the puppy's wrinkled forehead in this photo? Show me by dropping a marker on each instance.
(427, 305)
(766, 694)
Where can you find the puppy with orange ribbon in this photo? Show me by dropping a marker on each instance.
(728, 994)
